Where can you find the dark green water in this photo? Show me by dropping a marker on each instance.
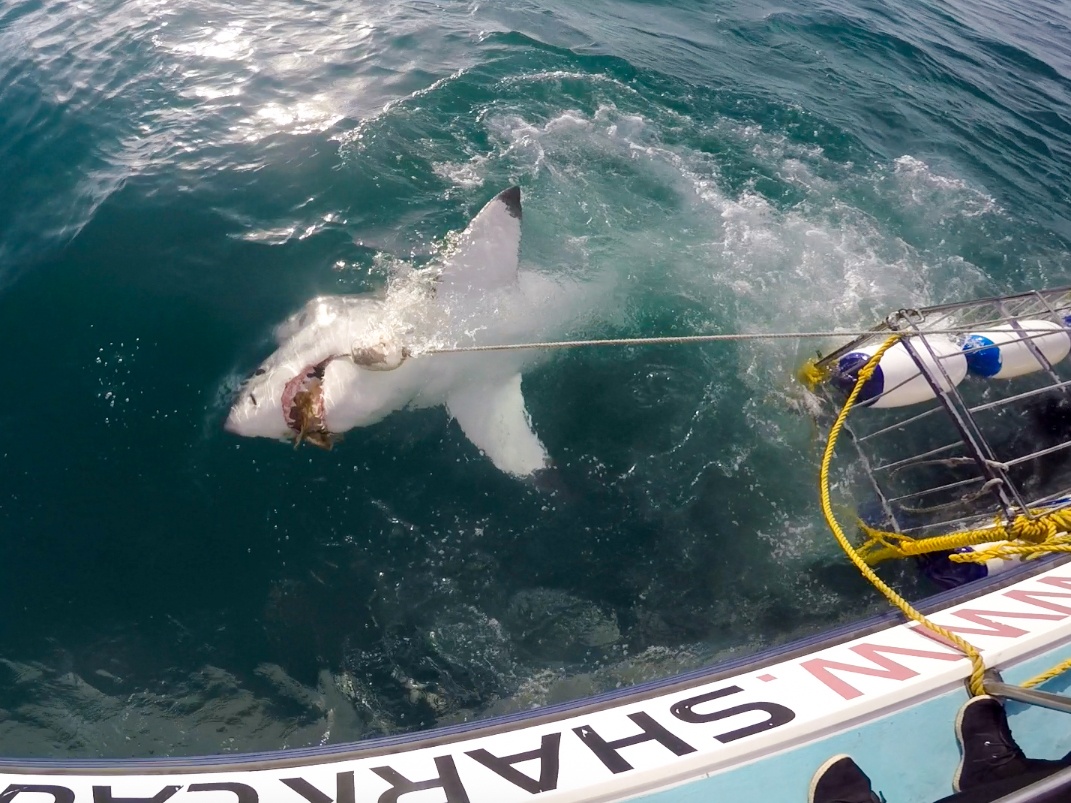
(177, 178)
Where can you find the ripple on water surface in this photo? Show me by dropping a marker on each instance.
(178, 179)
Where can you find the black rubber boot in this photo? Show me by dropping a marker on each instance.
(840, 780)
(989, 751)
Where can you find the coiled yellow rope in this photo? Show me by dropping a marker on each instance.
(977, 664)
(1041, 533)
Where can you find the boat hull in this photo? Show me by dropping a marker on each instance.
(882, 691)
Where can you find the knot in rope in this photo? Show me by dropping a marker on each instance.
(1040, 529)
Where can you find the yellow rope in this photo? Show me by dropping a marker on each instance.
(1031, 536)
(977, 664)
(1026, 536)
(1048, 674)
(1009, 550)
(1044, 528)
(1055, 541)
(811, 376)
(881, 545)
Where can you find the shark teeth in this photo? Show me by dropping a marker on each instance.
(303, 407)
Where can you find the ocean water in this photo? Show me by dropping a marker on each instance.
(178, 178)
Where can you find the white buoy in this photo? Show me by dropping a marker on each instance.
(993, 566)
(1002, 352)
(951, 574)
(897, 381)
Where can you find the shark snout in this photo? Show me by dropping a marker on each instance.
(232, 423)
(256, 413)
(240, 415)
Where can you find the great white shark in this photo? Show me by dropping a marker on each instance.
(350, 361)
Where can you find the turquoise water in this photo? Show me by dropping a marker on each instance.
(178, 179)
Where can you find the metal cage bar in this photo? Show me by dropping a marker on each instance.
(1002, 450)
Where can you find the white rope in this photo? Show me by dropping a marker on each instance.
(656, 341)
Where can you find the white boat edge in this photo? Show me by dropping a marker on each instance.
(650, 742)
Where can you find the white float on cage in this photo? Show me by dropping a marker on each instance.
(1003, 352)
(897, 381)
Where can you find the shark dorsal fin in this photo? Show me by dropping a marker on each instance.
(486, 253)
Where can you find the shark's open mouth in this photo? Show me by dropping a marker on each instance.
(303, 407)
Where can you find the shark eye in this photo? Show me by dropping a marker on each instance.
(253, 399)
(258, 372)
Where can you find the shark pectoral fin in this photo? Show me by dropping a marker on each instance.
(492, 416)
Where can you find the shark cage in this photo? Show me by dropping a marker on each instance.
(960, 434)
